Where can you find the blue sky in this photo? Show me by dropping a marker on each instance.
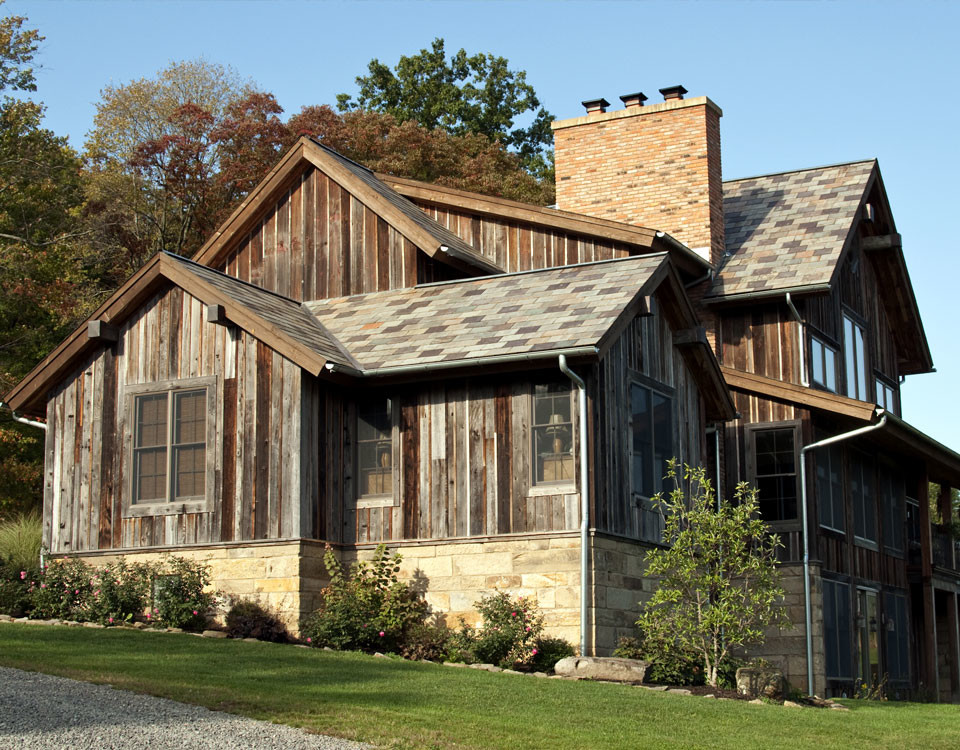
(800, 83)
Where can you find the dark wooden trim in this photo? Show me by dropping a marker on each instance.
(216, 314)
(229, 463)
(99, 330)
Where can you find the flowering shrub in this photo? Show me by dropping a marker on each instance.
(250, 620)
(179, 599)
(62, 590)
(549, 652)
(15, 582)
(118, 592)
(369, 609)
(511, 629)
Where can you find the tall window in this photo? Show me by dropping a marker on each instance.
(855, 358)
(553, 434)
(823, 364)
(897, 637)
(863, 497)
(775, 473)
(651, 419)
(868, 627)
(170, 446)
(891, 494)
(830, 487)
(375, 447)
(836, 630)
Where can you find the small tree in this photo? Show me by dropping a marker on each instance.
(719, 585)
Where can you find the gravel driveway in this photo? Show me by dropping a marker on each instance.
(54, 713)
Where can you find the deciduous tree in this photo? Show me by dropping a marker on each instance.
(719, 587)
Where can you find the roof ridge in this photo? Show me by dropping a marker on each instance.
(802, 169)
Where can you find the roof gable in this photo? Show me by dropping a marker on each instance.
(787, 231)
(435, 240)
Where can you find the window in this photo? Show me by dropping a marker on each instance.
(171, 424)
(868, 628)
(913, 526)
(553, 434)
(855, 356)
(836, 629)
(375, 447)
(887, 397)
(775, 472)
(863, 497)
(897, 636)
(830, 487)
(823, 364)
(651, 447)
(891, 493)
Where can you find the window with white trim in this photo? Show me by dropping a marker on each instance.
(172, 429)
(823, 364)
(855, 358)
(887, 397)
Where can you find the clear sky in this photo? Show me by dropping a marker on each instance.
(801, 84)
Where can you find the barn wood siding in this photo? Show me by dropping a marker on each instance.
(256, 492)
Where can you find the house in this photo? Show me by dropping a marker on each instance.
(493, 389)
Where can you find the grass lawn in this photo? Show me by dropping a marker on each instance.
(394, 703)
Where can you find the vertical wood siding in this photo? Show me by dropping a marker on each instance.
(256, 447)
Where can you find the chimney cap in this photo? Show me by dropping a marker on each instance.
(673, 92)
(596, 105)
(634, 100)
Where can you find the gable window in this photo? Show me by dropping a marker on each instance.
(553, 434)
(823, 364)
(774, 464)
(172, 424)
(855, 358)
(887, 397)
(837, 629)
(375, 447)
(830, 487)
(863, 497)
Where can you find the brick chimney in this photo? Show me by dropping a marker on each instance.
(652, 165)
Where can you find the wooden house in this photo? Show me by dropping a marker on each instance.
(493, 389)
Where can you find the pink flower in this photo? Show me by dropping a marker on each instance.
(43, 585)
(534, 652)
(76, 591)
(364, 625)
(148, 615)
(23, 575)
(309, 640)
(528, 628)
(194, 611)
(381, 634)
(513, 614)
(156, 610)
(97, 592)
(110, 619)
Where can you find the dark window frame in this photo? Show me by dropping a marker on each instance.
(553, 430)
(858, 379)
(816, 339)
(170, 389)
(650, 520)
(863, 465)
(888, 386)
(827, 457)
(750, 438)
(377, 499)
(837, 629)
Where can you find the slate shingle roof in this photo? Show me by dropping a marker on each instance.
(287, 315)
(518, 313)
(787, 230)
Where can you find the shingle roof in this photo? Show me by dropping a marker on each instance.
(457, 247)
(787, 230)
(285, 314)
(517, 313)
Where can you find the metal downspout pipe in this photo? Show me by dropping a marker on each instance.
(584, 504)
(24, 420)
(808, 615)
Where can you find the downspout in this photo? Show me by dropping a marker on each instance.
(24, 420)
(801, 343)
(584, 503)
(808, 615)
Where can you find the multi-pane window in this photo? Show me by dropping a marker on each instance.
(891, 492)
(868, 626)
(170, 446)
(855, 358)
(823, 364)
(553, 434)
(897, 637)
(863, 497)
(887, 397)
(836, 630)
(830, 487)
(651, 426)
(375, 447)
(775, 473)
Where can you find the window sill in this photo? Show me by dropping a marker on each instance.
(832, 530)
(541, 490)
(377, 501)
(141, 510)
(866, 544)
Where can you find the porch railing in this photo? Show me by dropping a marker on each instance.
(946, 549)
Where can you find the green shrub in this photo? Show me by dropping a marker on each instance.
(548, 651)
(179, 598)
(15, 588)
(425, 641)
(511, 629)
(248, 619)
(62, 590)
(669, 665)
(20, 541)
(119, 592)
(369, 609)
